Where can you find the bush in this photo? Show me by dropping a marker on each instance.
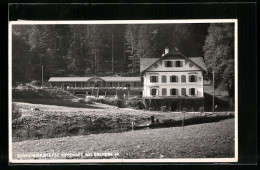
(110, 101)
(85, 101)
(15, 112)
(135, 103)
(35, 83)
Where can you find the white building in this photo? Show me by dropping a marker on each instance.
(174, 77)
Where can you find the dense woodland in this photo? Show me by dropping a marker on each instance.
(87, 50)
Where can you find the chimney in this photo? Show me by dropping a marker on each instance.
(166, 51)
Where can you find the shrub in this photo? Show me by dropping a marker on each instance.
(111, 101)
(86, 101)
(135, 103)
(35, 83)
(15, 112)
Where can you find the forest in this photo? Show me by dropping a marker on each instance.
(115, 49)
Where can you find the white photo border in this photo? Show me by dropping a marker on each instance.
(91, 161)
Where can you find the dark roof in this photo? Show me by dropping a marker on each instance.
(145, 63)
(85, 79)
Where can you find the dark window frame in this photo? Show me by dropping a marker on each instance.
(168, 64)
(178, 63)
(192, 78)
(153, 90)
(192, 91)
(152, 79)
(176, 92)
(176, 79)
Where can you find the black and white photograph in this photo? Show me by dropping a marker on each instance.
(123, 91)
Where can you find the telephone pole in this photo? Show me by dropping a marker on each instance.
(42, 75)
(213, 105)
(112, 54)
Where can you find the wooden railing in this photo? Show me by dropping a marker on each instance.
(104, 88)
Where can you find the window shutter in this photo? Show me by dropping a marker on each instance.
(165, 63)
(189, 91)
(181, 63)
(195, 77)
(156, 79)
(183, 78)
(163, 79)
(177, 79)
(151, 78)
(177, 91)
(165, 92)
(183, 91)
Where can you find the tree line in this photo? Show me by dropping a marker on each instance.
(87, 50)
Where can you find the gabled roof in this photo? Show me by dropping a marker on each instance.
(85, 79)
(199, 61)
(145, 63)
(68, 79)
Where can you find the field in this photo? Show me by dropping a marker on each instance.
(210, 140)
(51, 121)
(52, 124)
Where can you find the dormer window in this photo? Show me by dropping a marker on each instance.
(178, 63)
(168, 64)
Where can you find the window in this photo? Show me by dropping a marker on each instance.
(183, 91)
(174, 92)
(174, 79)
(78, 84)
(154, 79)
(178, 63)
(193, 78)
(183, 78)
(164, 91)
(164, 79)
(127, 85)
(192, 91)
(154, 92)
(110, 84)
(168, 63)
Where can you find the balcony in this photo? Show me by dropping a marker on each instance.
(105, 88)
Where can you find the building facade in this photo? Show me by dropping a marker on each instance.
(122, 87)
(173, 80)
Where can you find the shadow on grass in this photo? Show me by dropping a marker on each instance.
(223, 105)
(189, 121)
(57, 102)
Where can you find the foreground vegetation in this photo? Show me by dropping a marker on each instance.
(210, 140)
(51, 121)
